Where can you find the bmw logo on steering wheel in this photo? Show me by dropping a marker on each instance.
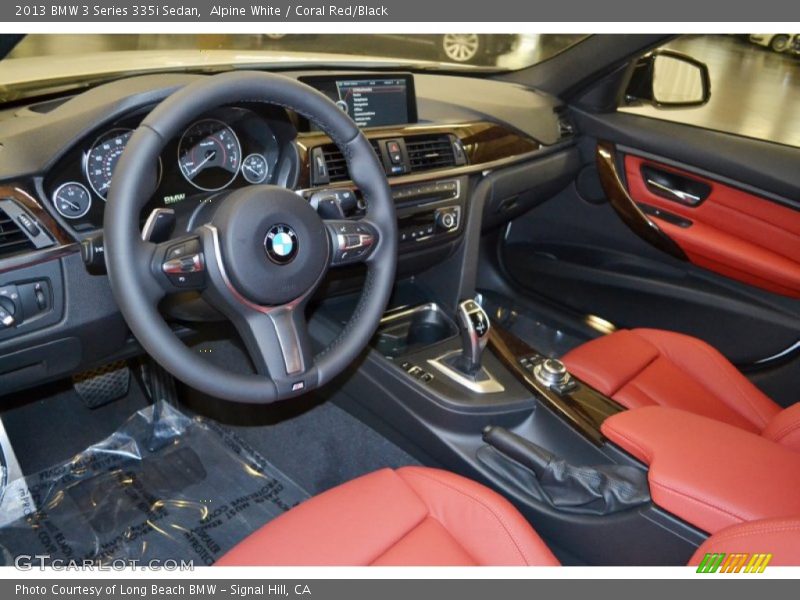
(281, 244)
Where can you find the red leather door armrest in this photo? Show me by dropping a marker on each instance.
(708, 473)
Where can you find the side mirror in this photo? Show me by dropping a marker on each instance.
(668, 79)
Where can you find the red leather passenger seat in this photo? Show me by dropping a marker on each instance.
(646, 367)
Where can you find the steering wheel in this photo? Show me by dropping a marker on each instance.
(259, 258)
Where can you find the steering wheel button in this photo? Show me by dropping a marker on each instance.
(176, 251)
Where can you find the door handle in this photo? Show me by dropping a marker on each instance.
(685, 197)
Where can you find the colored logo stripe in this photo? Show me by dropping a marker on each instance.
(710, 563)
(758, 563)
(733, 563)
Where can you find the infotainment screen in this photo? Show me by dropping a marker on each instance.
(371, 100)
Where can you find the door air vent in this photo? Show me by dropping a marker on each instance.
(565, 127)
(12, 238)
(428, 152)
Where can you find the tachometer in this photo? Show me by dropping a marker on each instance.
(209, 155)
(72, 200)
(102, 159)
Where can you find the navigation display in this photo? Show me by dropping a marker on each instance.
(371, 101)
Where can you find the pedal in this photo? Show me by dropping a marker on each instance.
(102, 385)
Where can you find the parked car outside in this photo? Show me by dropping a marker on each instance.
(777, 42)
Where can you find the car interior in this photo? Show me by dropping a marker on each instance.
(383, 314)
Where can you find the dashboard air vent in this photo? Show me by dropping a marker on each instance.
(423, 152)
(336, 164)
(427, 152)
(12, 238)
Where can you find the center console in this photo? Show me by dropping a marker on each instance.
(446, 381)
(443, 378)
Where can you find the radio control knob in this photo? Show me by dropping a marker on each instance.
(447, 218)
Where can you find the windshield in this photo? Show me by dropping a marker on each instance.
(45, 63)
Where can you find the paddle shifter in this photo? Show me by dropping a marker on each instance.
(474, 324)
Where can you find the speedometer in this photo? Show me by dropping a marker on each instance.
(103, 157)
(209, 155)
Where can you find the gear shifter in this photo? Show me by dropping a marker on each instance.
(464, 367)
(475, 326)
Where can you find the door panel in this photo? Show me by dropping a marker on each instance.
(725, 229)
(730, 275)
(583, 257)
(769, 169)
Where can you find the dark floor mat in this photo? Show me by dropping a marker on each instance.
(163, 486)
(329, 447)
(315, 442)
(58, 424)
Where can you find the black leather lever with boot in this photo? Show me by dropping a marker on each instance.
(596, 490)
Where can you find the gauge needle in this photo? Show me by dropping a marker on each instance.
(209, 156)
(71, 204)
(253, 170)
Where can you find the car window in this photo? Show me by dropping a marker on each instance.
(755, 86)
(41, 62)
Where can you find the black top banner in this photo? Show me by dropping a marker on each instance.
(394, 11)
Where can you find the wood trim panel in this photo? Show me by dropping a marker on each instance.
(483, 142)
(626, 208)
(34, 207)
(584, 407)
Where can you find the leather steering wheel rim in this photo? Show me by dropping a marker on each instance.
(130, 260)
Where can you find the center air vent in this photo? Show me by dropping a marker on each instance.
(410, 154)
(12, 238)
(426, 152)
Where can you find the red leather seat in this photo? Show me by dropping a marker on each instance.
(780, 538)
(417, 516)
(645, 367)
(411, 516)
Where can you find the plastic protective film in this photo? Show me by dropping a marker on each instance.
(163, 487)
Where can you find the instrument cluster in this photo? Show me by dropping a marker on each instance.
(228, 148)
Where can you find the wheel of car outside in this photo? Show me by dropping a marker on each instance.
(260, 255)
(779, 43)
(461, 47)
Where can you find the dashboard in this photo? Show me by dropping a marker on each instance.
(227, 148)
(438, 137)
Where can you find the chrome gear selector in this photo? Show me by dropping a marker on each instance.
(475, 326)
